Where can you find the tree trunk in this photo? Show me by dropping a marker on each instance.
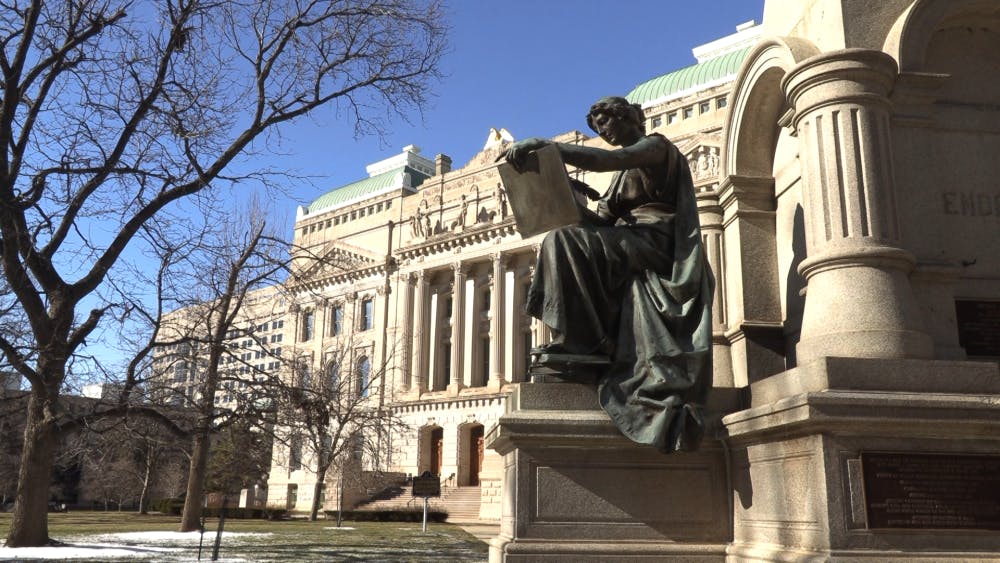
(29, 525)
(191, 517)
(317, 488)
(144, 494)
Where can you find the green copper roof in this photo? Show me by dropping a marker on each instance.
(688, 77)
(368, 186)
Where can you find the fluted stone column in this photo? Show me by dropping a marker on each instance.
(457, 322)
(433, 338)
(710, 217)
(497, 336)
(470, 332)
(859, 301)
(419, 332)
(511, 332)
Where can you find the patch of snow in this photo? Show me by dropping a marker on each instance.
(176, 536)
(82, 551)
(336, 528)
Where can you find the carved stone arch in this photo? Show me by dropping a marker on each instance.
(756, 341)
(910, 36)
(757, 104)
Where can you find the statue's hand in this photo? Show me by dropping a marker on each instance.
(517, 152)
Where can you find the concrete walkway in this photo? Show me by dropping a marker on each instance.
(484, 530)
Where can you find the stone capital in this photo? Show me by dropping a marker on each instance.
(860, 76)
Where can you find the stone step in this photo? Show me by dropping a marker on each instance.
(462, 503)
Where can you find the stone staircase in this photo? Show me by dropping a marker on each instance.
(462, 503)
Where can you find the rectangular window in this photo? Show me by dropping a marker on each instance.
(688, 112)
(720, 103)
(295, 455)
(656, 122)
(307, 326)
(337, 326)
(704, 107)
(672, 117)
(367, 314)
(485, 351)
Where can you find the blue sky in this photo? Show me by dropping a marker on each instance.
(533, 67)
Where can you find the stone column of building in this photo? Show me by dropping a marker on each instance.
(710, 217)
(859, 301)
(405, 284)
(418, 332)
(433, 336)
(750, 275)
(470, 329)
(497, 336)
(457, 318)
(510, 333)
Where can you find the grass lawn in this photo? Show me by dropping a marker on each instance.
(256, 540)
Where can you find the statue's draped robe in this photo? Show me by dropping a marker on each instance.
(639, 291)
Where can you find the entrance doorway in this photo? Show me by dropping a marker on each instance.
(437, 450)
(471, 438)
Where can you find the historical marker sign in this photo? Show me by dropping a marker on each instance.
(427, 485)
(979, 327)
(938, 491)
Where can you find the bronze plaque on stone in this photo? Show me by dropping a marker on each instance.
(979, 327)
(931, 491)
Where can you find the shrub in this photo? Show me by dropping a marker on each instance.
(171, 506)
(409, 515)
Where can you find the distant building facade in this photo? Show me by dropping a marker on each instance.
(253, 350)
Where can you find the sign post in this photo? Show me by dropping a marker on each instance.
(426, 485)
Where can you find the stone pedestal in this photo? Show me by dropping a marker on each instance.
(799, 491)
(576, 490)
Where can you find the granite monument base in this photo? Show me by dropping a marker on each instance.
(576, 490)
(868, 460)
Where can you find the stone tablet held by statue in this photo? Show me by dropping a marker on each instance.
(539, 194)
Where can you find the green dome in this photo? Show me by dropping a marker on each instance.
(367, 187)
(688, 78)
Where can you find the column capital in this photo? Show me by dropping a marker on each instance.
(861, 76)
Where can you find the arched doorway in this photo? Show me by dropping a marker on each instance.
(431, 453)
(471, 438)
(437, 450)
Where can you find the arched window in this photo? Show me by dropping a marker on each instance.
(364, 368)
(333, 376)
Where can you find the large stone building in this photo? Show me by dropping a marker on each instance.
(417, 273)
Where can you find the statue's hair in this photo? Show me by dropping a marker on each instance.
(617, 107)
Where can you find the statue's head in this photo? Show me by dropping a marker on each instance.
(618, 107)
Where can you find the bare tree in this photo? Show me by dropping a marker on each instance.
(338, 415)
(111, 114)
(226, 270)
